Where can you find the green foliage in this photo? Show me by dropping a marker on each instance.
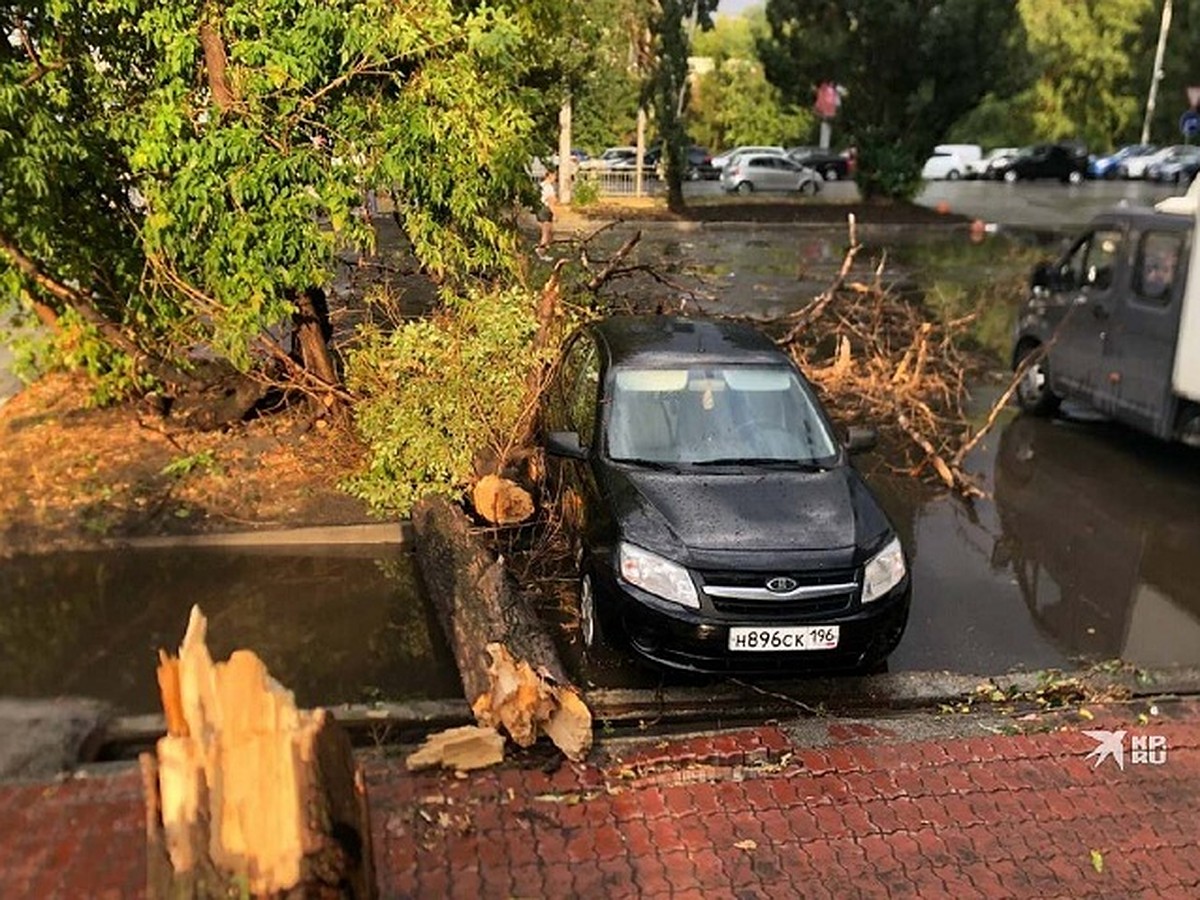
(586, 192)
(438, 390)
(191, 225)
(181, 466)
(886, 168)
(734, 103)
(909, 68)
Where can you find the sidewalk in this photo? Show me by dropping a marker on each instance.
(920, 805)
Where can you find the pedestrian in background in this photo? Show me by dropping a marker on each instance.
(545, 213)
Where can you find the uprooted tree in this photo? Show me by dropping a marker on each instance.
(178, 176)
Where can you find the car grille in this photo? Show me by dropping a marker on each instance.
(815, 593)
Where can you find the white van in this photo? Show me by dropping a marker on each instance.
(950, 161)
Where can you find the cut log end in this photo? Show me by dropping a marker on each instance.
(501, 501)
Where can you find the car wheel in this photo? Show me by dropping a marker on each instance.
(830, 174)
(1075, 177)
(808, 188)
(1034, 395)
(590, 631)
(745, 187)
(1010, 176)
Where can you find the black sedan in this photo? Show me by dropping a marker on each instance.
(832, 166)
(719, 524)
(1065, 161)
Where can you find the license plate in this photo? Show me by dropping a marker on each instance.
(791, 637)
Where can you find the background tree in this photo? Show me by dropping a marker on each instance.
(671, 25)
(910, 68)
(733, 103)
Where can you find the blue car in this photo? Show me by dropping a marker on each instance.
(1109, 167)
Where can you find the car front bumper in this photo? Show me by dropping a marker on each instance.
(698, 640)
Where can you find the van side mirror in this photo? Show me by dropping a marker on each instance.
(565, 443)
(859, 440)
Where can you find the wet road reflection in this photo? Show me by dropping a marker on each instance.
(333, 624)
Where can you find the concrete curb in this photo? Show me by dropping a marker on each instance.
(723, 704)
(399, 533)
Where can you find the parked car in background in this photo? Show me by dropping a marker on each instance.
(610, 158)
(831, 165)
(949, 161)
(1064, 161)
(985, 166)
(750, 172)
(722, 160)
(717, 520)
(699, 164)
(1134, 166)
(1109, 167)
(1178, 168)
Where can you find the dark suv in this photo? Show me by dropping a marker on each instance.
(719, 523)
(1064, 161)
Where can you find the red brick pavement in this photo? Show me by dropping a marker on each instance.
(735, 814)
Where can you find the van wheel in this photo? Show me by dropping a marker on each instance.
(1188, 431)
(1034, 395)
(952, 175)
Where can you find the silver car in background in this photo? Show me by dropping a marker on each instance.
(750, 172)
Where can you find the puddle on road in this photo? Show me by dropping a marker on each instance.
(332, 624)
(1082, 553)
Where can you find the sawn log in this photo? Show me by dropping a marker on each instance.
(510, 670)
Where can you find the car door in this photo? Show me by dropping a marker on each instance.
(1144, 328)
(1087, 277)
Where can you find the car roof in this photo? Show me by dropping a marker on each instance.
(653, 341)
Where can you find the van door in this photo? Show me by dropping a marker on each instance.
(1088, 276)
(1145, 327)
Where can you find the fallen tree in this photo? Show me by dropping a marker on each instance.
(510, 670)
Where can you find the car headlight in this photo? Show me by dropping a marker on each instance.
(884, 571)
(656, 575)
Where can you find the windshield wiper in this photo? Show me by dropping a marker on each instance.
(764, 462)
(652, 464)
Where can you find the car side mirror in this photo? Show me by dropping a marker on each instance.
(565, 443)
(859, 440)
(1043, 275)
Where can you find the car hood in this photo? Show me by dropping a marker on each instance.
(694, 514)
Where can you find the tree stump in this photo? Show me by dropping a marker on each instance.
(510, 670)
(246, 795)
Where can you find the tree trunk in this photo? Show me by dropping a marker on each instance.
(246, 794)
(510, 670)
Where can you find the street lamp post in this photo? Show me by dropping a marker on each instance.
(1156, 75)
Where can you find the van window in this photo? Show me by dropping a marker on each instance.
(1091, 262)
(1157, 262)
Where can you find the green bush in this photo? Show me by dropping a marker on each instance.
(887, 169)
(585, 192)
(438, 390)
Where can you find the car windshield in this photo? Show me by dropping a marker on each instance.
(750, 415)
